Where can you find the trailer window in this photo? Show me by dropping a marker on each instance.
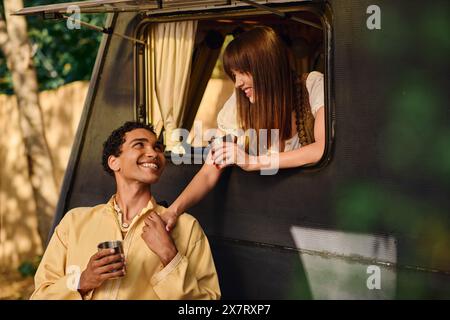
(210, 87)
(305, 42)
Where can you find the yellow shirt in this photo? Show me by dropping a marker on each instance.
(190, 275)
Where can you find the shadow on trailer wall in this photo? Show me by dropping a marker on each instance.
(371, 223)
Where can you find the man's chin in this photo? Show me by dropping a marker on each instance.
(150, 180)
(153, 179)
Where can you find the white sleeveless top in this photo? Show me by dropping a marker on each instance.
(227, 120)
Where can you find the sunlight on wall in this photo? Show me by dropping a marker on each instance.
(216, 94)
(339, 265)
(19, 239)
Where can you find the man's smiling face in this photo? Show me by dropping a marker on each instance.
(141, 159)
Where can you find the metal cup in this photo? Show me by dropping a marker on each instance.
(116, 245)
(219, 140)
(216, 141)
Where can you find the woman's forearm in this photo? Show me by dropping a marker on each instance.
(305, 155)
(291, 159)
(197, 189)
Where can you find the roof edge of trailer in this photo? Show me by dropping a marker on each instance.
(143, 6)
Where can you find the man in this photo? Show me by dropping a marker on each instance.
(155, 264)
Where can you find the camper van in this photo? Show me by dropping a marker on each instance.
(370, 220)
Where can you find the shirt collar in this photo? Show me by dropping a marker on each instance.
(151, 205)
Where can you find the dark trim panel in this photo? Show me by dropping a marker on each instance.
(79, 139)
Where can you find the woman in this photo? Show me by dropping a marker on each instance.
(268, 95)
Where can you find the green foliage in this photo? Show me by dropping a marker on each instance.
(218, 71)
(28, 268)
(60, 55)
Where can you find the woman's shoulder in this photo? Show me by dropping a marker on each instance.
(315, 87)
(227, 116)
(314, 83)
(313, 78)
(229, 105)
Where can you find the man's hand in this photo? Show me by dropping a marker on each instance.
(99, 269)
(158, 239)
(169, 217)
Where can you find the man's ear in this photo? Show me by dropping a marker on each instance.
(114, 163)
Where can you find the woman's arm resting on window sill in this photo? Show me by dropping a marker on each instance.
(295, 158)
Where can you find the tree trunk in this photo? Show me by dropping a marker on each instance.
(16, 47)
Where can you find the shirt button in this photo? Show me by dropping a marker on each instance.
(125, 225)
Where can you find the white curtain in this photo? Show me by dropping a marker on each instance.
(170, 57)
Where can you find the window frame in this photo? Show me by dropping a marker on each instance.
(321, 10)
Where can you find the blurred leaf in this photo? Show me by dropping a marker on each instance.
(56, 47)
(28, 268)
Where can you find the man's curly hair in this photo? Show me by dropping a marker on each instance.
(113, 145)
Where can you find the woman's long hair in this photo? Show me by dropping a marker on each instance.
(263, 54)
